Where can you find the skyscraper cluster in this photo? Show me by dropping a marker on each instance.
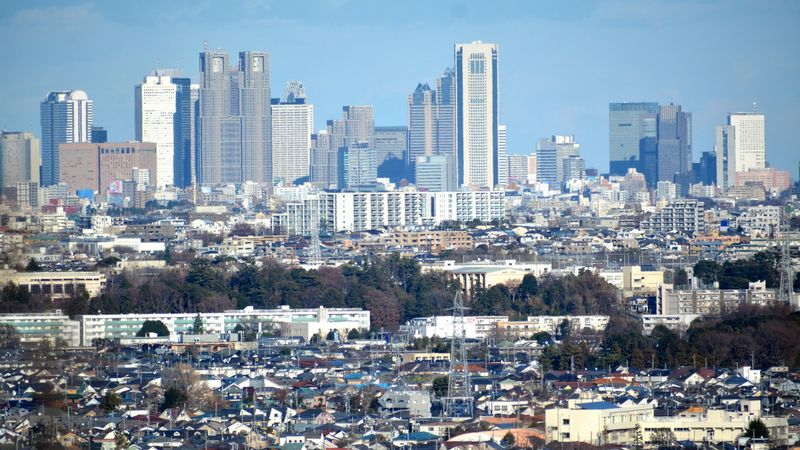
(226, 129)
(654, 139)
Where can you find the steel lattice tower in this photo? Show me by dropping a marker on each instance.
(458, 402)
(786, 287)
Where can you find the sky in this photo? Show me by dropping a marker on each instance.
(560, 64)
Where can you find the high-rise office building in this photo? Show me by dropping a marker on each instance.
(740, 147)
(324, 171)
(95, 167)
(66, 117)
(705, 171)
(477, 114)
(432, 173)
(726, 156)
(20, 158)
(502, 156)
(186, 95)
(446, 122)
(99, 134)
(233, 119)
(533, 167)
(518, 169)
(574, 168)
(632, 136)
(749, 140)
(357, 166)
(422, 119)
(155, 104)
(674, 143)
(391, 147)
(550, 156)
(292, 127)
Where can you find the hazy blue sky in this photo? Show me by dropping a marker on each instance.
(561, 62)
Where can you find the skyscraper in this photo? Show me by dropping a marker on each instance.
(726, 157)
(550, 156)
(95, 166)
(518, 169)
(99, 134)
(292, 127)
(20, 158)
(749, 140)
(422, 120)
(477, 114)
(446, 122)
(66, 117)
(155, 107)
(674, 143)
(632, 137)
(740, 147)
(186, 95)
(356, 150)
(234, 128)
(391, 147)
(432, 173)
(502, 156)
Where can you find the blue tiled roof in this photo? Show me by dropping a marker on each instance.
(597, 405)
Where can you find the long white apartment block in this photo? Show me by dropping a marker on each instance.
(475, 327)
(113, 326)
(406, 209)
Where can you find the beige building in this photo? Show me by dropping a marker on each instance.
(636, 281)
(20, 158)
(95, 166)
(594, 421)
(56, 285)
(435, 241)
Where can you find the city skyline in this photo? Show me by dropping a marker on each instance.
(535, 103)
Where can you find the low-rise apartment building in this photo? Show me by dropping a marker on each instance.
(550, 324)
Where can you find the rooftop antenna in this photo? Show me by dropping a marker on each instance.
(755, 107)
(205, 45)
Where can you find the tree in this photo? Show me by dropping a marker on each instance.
(110, 402)
(508, 440)
(353, 334)
(681, 278)
(186, 381)
(33, 266)
(756, 429)
(440, 386)
(9, 336)
(174, 397)
(153, 326)
(197, 327)
(331, 336)
(662, 438)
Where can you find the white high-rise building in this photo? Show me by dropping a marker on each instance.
(477, 114)
(748, 140)
(155, 107)
(292, 126)
(502, 156)
(740, 146)
(66, 117)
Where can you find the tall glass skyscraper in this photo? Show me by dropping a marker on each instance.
(66, 117)
(477, 114)
(674, 143)
(632, 136)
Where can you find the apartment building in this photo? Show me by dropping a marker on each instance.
(522, 329)
(56, 285)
